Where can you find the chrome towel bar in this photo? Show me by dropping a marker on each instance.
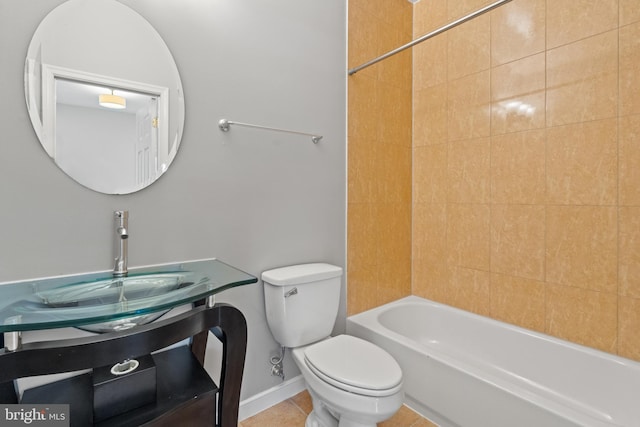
(225, 124)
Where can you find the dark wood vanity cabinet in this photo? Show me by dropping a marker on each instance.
(185, 395)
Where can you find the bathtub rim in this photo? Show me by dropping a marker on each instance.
(565, 343)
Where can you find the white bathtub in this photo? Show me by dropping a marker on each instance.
(461, 369)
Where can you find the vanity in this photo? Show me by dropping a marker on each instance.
(123, 379)
(112, 120)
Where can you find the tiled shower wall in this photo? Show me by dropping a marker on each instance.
(522, 169)
(526, 166)
(379, 157)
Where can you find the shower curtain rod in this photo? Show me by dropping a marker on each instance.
(429, 35)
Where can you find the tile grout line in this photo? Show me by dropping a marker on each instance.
(290, 400)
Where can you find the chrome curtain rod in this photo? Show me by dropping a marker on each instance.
(224, 125)
(429, 35)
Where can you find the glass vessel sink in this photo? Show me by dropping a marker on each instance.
(116, 292)
(113, 290)
(100, 303)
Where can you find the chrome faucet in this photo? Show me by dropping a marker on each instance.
(121, 243)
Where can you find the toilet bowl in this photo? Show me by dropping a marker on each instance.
(352, 382)
(349, 388)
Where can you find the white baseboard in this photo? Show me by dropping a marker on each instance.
(268, 398)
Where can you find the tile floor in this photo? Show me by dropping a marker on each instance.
(293, 413)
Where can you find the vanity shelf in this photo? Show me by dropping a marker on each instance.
(184, 392)
(204, 402)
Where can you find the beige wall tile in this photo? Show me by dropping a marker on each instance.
(630, 45)
(431, 280)
(629, 160)
(397, 13)
(468, 48)
(518, 95)
(517, 30)
(468, 235)
(430, 62)
(362, 101)
(582, 163)
(582, 247)
(393, 114)
(470, 290)
(629, 11)
(629, 327)
(582, 80)
(518, 168)
(572, 20)
(430, 174)
(518, 240)
(363, 174)
(458, 8)
(363, 39)
(395, 70)
(362, 240)
(468, 171)
(428, 16)
(469, 107)
(566, 191)
(630, 91)
(362, 284)
(384, 181)
(518, 301)
(394, 280)
(630, 69)
(429, 222)
(379, 176)
(629, 251)
(393, 180)
(394, 232)
(582, 316)
(430, 115)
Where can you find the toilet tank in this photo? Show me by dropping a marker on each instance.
(302, 302)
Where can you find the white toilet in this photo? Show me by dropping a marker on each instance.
(352, 382)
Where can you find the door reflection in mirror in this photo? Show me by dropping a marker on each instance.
(89, 139)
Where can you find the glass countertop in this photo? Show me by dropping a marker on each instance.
(91, 298)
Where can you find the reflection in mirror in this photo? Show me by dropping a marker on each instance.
(75, 63)
(102, 136)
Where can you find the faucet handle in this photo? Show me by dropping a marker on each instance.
(122, 215)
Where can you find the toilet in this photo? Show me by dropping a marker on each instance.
(352, 382)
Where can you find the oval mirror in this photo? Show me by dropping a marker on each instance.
(104, 95)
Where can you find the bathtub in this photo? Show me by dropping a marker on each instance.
(461, 369)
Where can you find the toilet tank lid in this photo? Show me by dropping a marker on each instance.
(301, 273)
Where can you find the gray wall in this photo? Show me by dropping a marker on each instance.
(254, 199)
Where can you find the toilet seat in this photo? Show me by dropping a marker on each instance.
(354, 365)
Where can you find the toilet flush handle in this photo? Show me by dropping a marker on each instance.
(293, 291)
